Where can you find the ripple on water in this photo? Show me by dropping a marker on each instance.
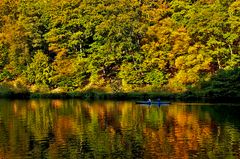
(109, 131)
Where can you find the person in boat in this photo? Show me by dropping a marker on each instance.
(158, 101)
(149, 101)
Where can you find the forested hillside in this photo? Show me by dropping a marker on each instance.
(120, 45)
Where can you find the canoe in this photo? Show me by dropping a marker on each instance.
(153, 102)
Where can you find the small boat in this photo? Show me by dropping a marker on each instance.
(153, 102)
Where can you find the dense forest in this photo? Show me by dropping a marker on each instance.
(120, 46)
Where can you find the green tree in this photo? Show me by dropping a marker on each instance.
(116, 39)
(39, 71)
(33, 17)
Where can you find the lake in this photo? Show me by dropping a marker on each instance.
(55, 128)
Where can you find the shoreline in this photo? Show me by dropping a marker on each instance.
(95, 95)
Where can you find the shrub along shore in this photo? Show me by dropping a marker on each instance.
(98, 95)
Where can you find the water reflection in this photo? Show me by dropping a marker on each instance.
(107, 129)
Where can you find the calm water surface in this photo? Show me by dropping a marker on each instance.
(109, 129)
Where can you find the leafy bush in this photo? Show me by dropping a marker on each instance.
(226, 83)
(5, 75)
(5, 90)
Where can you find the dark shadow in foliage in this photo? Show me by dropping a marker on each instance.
(226, 83)
(223, 86)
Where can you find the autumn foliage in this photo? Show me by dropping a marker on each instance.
(118, 45)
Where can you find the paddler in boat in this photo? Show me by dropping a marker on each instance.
(159, 102)
(149, 102)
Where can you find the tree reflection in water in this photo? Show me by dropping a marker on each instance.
(108, 129)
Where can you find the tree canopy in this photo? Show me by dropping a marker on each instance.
(118, 45)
